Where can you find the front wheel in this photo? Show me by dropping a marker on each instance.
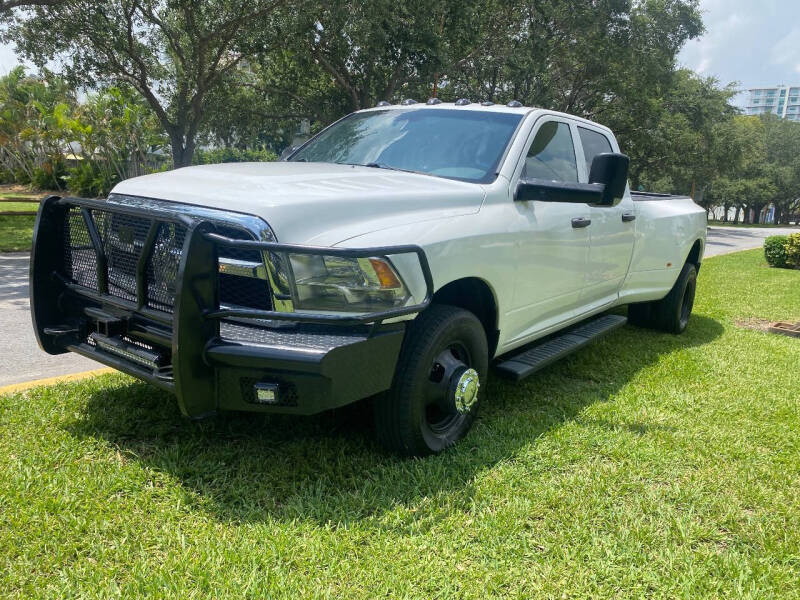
(434, 397)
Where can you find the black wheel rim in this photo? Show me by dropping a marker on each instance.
(440, 419)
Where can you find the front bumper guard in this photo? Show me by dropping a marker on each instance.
(320, 361)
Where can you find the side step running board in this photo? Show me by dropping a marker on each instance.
(529, 361)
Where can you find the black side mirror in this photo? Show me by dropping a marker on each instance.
(610, 170)
(607, 181)
(558, 191)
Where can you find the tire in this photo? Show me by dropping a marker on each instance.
(671, 313)
(434, 396)
(640, 314)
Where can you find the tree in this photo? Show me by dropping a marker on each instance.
(604, 59)
(370, 49)
(744, 180)
(783, 170)
(355, 54)
(32, 143)
(263, 103)
(175, 53)
(673, 142)
(117, 133)
(6, 6)
(576, 56)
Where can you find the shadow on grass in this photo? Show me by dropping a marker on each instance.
(328, 468)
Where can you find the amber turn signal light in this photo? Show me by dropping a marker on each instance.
(385, 273)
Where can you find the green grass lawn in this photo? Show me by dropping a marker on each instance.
(22, 191)
(16, 232)
(646, 465)
(5, 192)
(18, 206)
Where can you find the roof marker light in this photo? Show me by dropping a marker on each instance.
(462, 102)
(408, 102)
(384, 103)
(514, 104)
(432, 101)
(487, 103)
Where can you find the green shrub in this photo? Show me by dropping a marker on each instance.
(228, 155)
(793, 251)
(49, 176)
(88, 180)
(775, 250)
(21, 176)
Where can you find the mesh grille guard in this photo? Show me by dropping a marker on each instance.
(129, 253)
(133, 258)
(148, 281)
(130, 249)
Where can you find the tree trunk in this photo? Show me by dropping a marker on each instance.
(725, 209)
(182, 150)
(736, 215)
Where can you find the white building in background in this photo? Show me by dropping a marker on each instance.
(781, 100)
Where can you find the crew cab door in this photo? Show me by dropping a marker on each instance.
(611, 230)
(552, 242)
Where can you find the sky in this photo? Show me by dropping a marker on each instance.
(752, 42)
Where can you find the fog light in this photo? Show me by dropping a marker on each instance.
(266, 393)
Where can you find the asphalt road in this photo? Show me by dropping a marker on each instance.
(21, 359)
(723, 240)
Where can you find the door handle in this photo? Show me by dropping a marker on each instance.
(580, 222)
(628, 216)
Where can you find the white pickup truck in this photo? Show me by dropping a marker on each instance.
(393, 256)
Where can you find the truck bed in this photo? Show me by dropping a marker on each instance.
(653, 196)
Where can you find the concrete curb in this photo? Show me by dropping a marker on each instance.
(26, 385)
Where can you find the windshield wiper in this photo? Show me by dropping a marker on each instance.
(376, 165)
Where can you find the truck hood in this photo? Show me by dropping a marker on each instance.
(313, 203)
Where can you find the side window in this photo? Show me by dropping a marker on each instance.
(552, 154)
(593, 144)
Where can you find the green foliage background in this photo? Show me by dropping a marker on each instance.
(167, 77)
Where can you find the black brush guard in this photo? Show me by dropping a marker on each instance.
(313, 363)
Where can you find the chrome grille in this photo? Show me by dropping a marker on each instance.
(250, 291)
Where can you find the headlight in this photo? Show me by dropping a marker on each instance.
(345, 284)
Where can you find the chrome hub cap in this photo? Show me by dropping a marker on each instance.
(451, 392)
(466, 390)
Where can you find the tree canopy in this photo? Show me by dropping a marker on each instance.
(172, 52)
(242, 74)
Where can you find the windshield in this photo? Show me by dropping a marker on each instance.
(458, 144)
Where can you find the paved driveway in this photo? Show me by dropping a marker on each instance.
(722, 240)
(20, 356)
(22, 360)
